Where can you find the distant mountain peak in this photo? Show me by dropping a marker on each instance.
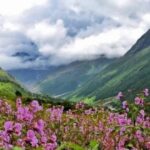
(141, 44)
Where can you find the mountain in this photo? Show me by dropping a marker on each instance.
(60, 80)
(141, 44)
(68, 78)
(9, 86)
(100, 78)
(130, 72)
(29, 77)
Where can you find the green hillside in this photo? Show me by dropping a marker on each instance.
(67, 78)
(102, 78)
(131, 72)
(9, 86)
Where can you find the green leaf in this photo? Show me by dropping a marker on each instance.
(17, 148)
(70, 145)
(94, 145)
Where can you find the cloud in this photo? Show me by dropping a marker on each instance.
(112, 43)
(55, 32)
(48, 36)
(15, 7)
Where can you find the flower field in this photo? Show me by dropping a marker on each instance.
(33, 126)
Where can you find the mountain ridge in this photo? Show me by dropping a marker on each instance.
(100, 78)
(130, 71)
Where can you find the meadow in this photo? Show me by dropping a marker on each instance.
(82, 127)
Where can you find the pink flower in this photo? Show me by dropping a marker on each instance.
(18, 128)
(139, 120)
(35, 106)
(24, 114)
(142, 113)
(18, 102)
(8, 109)
(39, 125)
(139, 136)
(8, 126)
(56, 113)
(44, 139)
(80, 105)
(20, 143)
(120, 96)
(53, 138)
(121, 144)
(147, 144)
(100, 126)
(51, 146)
(123, 120)
(31, 138)
(88, 112)
(4, 135)
(139, 101)
(122, 130)
(124, 105)
(146, 92)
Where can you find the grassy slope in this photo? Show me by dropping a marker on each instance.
(69, 78)
(129, 72)
(9, 86)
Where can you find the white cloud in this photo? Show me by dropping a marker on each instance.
(112, 43)
(15, 7)
(70, 30)
(48, 36)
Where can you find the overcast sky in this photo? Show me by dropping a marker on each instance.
(37, 33)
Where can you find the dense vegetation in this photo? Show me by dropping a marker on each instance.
(49, 127)
(9, 87)
(130, 72)
(67, 78)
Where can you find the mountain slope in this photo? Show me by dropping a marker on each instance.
(67, 78)
(141, 44)
(132, 71)
(9, 86)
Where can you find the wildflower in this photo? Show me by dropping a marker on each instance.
(53, 138)
(123, 120)
(18, 102)
(124, 104)
(18, 128)
(139, 101)
(44, 139)
(142, 113)
(80, 105)
(24, 114)
(35, 106)
(100, 126)
(139, 136)
(31, 138)
(88, 112)
(8, 109)
(120, 96)
(146, 92)
(39, 126)
(122, 130)
(20, 143)
(51, 146)
(8, 126)
(56, 113)
(4, 136)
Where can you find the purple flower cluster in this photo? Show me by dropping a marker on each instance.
(56, 113)
(34, 126)
(26, 129)
(139, 101)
